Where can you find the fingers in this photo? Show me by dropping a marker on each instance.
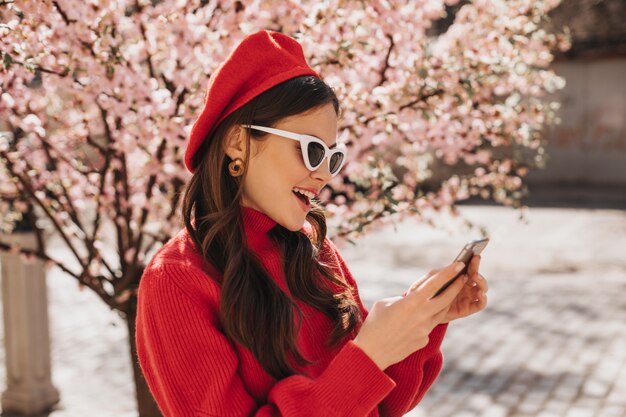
(478, 282)
(445, 298)
(481, 283)
(474, 264)
(476, 279)
(480, 302)
(420, 281)
(479, 291)
(432, 272)
(432, 285)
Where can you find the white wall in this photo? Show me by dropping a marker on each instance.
(589, 146)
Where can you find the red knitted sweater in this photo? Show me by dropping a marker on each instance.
(192, 369)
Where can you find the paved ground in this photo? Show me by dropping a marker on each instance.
(551, 343)
(553, 339)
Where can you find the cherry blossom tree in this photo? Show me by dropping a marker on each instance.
(97, 98)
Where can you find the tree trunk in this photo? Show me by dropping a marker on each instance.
(146, 405)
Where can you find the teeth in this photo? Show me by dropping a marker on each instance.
(309, 194)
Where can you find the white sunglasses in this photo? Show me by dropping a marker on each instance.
(314, 150)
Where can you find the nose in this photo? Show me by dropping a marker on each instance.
(323, 172)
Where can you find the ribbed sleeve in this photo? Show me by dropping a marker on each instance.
(417, 372)
(414, 376)
(192, 369)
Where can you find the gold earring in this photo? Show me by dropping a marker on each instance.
(236, 167)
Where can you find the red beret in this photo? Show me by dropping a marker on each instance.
(260, 62)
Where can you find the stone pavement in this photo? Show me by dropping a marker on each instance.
(552, 341)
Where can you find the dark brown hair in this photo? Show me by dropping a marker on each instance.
(254, 311)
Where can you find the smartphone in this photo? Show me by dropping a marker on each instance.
(471, 248)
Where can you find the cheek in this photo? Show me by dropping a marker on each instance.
(297, 165)
(287, 167)
(274, 170)
(263, 179)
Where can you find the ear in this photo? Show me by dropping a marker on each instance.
(235, 143)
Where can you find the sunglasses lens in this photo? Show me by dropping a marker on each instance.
(335, 162)
(316, 153)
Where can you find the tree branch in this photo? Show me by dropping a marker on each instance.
(81, 278)
(383, 72)
(435, 92)
(96, 145)
(121, 247)
(411, 103)
(345, 232)
(180, 99)
(68, 21)
(96, 223)
(38, 67)
(142, 29)
(73, 213)
(27, 187)
(62, 157)
(62, 13)
(39, 255)
(55, 168)
(130, 271)
(173, 209)
(129, 210)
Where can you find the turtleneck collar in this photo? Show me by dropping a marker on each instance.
(257, 225)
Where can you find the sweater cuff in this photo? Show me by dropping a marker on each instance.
(435, 338)
(361, 381)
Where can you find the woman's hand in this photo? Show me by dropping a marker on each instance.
(473, 296)
(471, 299)
(397, 327)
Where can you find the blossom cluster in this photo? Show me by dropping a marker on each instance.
(99, 96)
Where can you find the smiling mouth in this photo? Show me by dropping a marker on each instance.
(302, 198)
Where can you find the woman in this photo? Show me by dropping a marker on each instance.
(251, 311)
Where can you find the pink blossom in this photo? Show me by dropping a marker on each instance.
(418, 101)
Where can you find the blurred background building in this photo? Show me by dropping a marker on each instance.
(589, 146)
(587, 150)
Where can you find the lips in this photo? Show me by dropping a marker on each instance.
(303, 200)
(302, 197)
